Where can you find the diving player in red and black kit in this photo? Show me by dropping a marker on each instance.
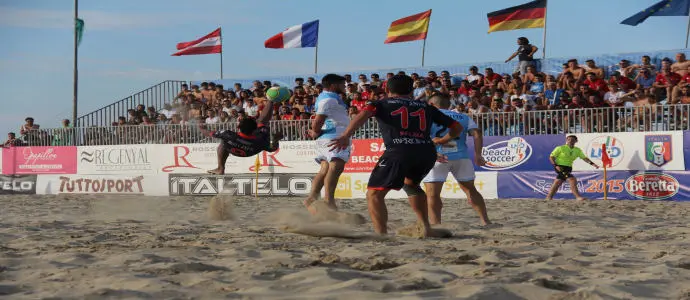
(253, 137)
(410, 154)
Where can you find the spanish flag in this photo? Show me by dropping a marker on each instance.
(409, 29)
(528, 15)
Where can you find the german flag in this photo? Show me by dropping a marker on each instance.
(409, 29)
(528, 15)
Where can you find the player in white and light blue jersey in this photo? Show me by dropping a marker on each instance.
(454, 158)
(331, 121)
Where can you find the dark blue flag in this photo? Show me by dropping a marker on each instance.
(664, 8)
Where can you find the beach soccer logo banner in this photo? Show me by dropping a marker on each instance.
(508, 154)
(240, 184)
(658, 149)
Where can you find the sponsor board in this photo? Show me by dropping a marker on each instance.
(638, 151)
(1, 163)
(354, 185)
(122, 184)
(17, 184)
(39, 160)
(506, 154)
(292, 157)
(118, 159)
(240, 184)
(630, 185)
(365, 155)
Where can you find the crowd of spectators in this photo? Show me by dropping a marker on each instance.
(525, 102)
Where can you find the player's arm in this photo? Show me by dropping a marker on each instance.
(266, 114)
(358, 121)
(478, 141)
(587, 160)
(454, 128)
(206, 132)
(319, 119)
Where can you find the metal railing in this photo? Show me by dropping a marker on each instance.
(602, 120)
(155, 96)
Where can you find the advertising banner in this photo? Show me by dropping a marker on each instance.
(658, 150)
(365, 155)
(1, 162)
(292, 157)
(117, 159)
(240, 184)
(630, 185)
(123, 184)
(17, 184)
(354, 186)
(686, 148)
(39, 160)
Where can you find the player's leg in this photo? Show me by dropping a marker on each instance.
(316, 186)
(561, 176)
(335, 169)
(265, 114)
(463, 171)
(414, 173)
(222, 156)
(385, 176)
(433, 183)
(573, 188)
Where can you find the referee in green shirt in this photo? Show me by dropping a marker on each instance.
(562, 159)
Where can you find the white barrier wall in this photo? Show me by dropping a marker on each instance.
(181, 169)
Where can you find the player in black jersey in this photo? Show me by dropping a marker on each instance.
(410, 154)
(252, 137)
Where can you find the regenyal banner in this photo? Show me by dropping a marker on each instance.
(621, 185)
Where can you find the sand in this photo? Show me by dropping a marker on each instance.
(108, 247)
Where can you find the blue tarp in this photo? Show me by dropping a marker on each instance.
(549, 65)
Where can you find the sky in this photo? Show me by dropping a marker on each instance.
(127, 44)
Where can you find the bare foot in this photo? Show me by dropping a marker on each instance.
(308, 204)
(216, 172)
(548, 199)
(582, 199)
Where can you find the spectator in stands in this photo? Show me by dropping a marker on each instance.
(212, 118)
(644, 65)
(475, 78)
(596, 84)
(12, 141)
(525, 54)
(624, 82)
(591, 66)
(375, 81)
(362, 81)
(63, 136)
(664, 83)
(358, 102)
(29, 127)
(644, 79)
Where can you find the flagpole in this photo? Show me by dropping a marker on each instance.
(605, 183)
(543, 49)
(687, 35)
(423, 51)
(221, 54)
(316, 59)
(75, 72)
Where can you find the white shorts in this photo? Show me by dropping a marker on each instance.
(323, 152)
(462, 170)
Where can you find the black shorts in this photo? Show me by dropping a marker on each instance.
(565, 172)
(392, 169)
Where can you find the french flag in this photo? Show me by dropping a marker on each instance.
(299, 36)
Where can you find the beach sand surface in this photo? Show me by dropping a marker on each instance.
(137, 247)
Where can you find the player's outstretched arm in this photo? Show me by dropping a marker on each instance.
(266, 113)
(206, 132)
(344, 140)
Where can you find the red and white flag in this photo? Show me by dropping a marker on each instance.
(208, 44)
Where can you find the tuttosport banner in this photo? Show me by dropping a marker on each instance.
(293, 184)
(658, 150)
(17, 184)
(354, 185)
(122, 184)
(117, 159)
(629, 185)
(292, 157)
(39, 160)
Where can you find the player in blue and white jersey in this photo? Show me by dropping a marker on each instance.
(330, 122)
(454, 159)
